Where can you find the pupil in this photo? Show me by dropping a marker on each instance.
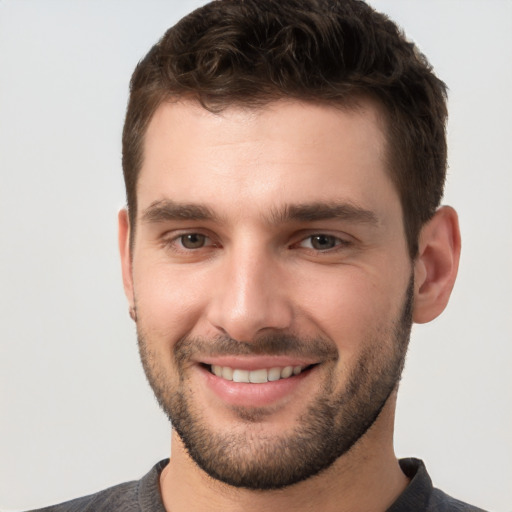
(323, 242)
(193, 241)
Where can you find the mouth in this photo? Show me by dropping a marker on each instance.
(257, 376)
(257, 382)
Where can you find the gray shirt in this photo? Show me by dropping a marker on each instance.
(144, 495)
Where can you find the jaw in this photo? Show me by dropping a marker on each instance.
(348, 480)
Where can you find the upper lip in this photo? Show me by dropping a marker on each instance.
(257, 362)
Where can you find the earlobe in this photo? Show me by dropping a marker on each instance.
(125, 254)
(436, 265)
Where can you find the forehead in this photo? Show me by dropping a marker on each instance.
(285, 152)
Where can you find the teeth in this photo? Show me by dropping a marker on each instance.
(255, 376)
(286, 372)
(227, 373)
(240, 376)
(258, 376)
(274, 374)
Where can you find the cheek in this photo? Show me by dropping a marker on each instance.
(169, 301)
(353, 307)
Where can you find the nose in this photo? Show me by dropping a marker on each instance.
(250, 297)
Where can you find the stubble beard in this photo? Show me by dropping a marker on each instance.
(248, 457)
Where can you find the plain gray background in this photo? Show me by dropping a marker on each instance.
(75, 412)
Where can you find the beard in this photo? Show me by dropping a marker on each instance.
(331, 425)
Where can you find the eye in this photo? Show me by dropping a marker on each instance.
(193, 240)
(322, 242)
(188, 245)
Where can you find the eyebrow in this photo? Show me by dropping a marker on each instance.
(168, 210)
(317, 211)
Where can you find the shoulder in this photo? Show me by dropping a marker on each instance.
(421, 495)
(137, 496)
(441, 502)
(118, 497)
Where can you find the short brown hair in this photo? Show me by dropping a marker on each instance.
(252, 52)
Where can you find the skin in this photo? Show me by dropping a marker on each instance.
(246, 166)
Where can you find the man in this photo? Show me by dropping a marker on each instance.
(284, 164)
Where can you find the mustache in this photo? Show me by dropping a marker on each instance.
(274, 344)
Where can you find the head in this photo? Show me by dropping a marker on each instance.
(283, 164)
(251, 53)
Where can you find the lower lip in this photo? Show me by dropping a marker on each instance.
(243, 394)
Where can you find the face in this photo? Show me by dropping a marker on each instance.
(272, 284)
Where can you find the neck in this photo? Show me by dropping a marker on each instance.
(368, 477)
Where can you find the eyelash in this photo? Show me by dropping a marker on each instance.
(176, 243)
(339, 243)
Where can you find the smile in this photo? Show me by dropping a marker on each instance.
(256, 376)
(257, 381)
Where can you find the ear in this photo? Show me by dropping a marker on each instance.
(125, 253)
(436, 265)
